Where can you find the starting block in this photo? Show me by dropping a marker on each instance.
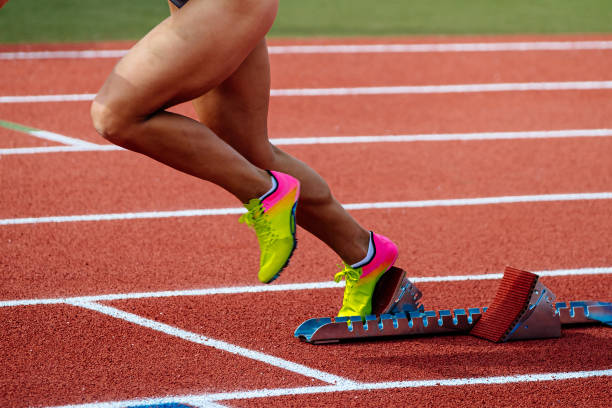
(402, 315)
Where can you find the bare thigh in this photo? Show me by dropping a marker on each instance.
(186, 55)
(237, 109)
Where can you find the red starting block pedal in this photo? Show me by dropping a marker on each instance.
(523, 308)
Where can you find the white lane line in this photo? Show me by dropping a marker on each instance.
(296, 141)
(201, 404)
(490, 276)
(390, 385)
(453, 202)
(347, 49)
(231, 290)
(43, 134)
(47, 98)
(205, 404)
(370, 90)
(446, 137)
(235, 290)
(452, 47)
(216, 344)
(208, 404)
(125, 216)
(58, 149)
(56, 137)
(480, 201)
(63, 54)
(439, 89)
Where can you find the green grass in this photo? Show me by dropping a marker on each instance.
(95, 20)
(78, 20)
(390, 17)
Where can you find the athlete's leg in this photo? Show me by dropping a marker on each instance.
(237, 110)
(183, 57)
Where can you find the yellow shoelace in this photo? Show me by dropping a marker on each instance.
(349, 274)
(255, 219)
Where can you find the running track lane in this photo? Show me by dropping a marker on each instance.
(65, 76)
(376, 114)
(111, 182)
(388, 114)
(86, 258)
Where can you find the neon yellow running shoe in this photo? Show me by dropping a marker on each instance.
(272, 216)
(361, 278)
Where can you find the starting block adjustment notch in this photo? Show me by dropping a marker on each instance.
(585, 312)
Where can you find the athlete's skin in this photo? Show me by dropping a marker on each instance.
(214, 53)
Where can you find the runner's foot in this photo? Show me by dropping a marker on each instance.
(272, 216)
(361, 278)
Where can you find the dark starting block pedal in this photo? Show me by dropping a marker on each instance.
(540, 317)
(394, 293)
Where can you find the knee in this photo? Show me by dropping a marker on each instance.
(110, 125)
(266, 11)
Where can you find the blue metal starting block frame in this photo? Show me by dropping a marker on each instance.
(543, 318)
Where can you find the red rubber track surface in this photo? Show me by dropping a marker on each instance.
(102, 182)
(54, 354)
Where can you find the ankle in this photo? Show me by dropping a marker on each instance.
(359, 251)
(273, 186)
(257, 187)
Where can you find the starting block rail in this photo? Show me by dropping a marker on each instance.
(542, 318)
(459, 321)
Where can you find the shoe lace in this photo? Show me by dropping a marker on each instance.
(349, 274)
(256, 219)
